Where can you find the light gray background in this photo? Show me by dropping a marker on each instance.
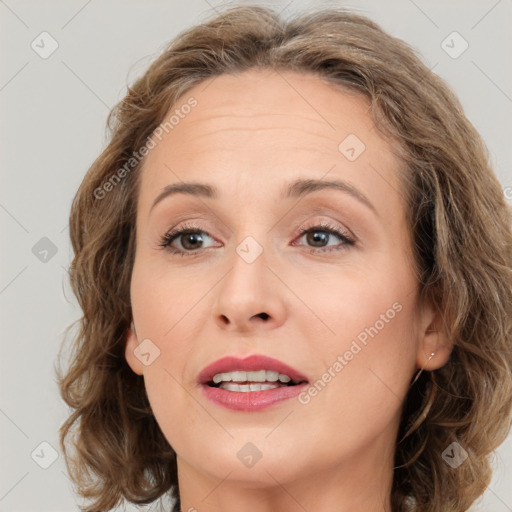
(53, 114)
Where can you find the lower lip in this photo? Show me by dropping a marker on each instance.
(251, 400)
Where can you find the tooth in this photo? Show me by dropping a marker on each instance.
(231, 387)
(245, 388)
(258, 376)
(262, 387)
(272, 376)
(253, 376)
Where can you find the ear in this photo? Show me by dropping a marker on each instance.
(129, 352)
(434, 347)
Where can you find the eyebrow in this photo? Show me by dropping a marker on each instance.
(296, 189)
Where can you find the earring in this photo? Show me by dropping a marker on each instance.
(420, 371)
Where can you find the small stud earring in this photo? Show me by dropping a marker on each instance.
(431, 355)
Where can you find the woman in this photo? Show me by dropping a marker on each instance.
(222, 360)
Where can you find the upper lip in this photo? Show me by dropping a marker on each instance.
(251, 363)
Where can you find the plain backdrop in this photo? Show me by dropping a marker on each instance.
(52, 122)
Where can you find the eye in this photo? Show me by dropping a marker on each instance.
(320, 235)
(191, 239)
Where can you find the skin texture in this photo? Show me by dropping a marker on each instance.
(250, 135)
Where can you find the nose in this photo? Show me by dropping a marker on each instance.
(249, 297)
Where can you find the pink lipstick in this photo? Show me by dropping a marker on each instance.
(250, 384)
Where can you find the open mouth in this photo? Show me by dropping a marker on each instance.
(246, 381)
(250, 384)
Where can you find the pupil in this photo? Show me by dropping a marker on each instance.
(191, 237)
(317, 236)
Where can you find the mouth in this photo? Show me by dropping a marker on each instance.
(244, 382)
(250, 384)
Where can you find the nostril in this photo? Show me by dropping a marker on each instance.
(263, 315)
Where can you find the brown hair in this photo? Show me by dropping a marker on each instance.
(461, 229)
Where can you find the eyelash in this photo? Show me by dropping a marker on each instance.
(168, 238)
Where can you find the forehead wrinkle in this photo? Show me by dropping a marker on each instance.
(306, 134)
(305, 131)
(265, 121)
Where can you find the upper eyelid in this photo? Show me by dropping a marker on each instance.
(194, 225)
(311, 207)
(320, 225)
(209, 217)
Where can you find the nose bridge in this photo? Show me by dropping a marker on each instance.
(253, 241)
(248, 274)
(249, 291)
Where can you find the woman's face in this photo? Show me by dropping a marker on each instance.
(336, 308)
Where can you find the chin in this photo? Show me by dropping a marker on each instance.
(257, 464)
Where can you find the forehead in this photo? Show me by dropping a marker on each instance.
(265, 127)
(265, 100)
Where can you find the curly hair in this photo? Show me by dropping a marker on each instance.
(460, 225)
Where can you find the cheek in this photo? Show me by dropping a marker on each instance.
(369, 308)
(365, 359)
(165, 310)
(362, 388)
(163, 299)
